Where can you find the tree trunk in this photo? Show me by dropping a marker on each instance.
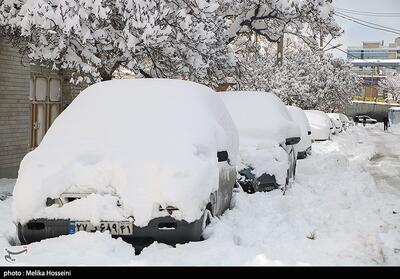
(105, 76)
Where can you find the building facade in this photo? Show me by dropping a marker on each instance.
(372, 61)
(375, 50)
(31, 97)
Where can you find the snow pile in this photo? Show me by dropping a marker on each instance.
(149, 142)
(263, 123)
(7, 228)
(6, 186)
(320, 124)
(268, 158)
(299, 117)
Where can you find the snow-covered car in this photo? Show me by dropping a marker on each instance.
(303, 148)
(147, 160)
(368, 120)
(336, 121)
(321, 125)
(345, 121)
(267, 138)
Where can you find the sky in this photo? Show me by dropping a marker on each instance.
(354, 33)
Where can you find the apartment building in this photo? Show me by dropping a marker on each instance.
(371, 61)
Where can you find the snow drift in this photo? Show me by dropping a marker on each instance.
(151, 143)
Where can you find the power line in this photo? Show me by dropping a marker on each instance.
(366, 25)
(368, 12)
(368, 22)
(370, 15)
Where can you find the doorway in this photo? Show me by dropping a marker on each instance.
(46, 104)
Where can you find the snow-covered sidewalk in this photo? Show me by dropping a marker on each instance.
(335, 214)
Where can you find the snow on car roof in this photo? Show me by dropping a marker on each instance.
(299, 116)
(318, 118)
(152, 141)
(260, 115)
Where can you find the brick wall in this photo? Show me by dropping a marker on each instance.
(14, 109)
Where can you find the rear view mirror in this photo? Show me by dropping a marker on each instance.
(223, 156)
(292, 141)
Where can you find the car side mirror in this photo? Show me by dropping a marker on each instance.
(292, 141)
(309, 132)
(223, 156)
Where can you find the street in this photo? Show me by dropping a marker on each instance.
(343, 209)
(385, 165)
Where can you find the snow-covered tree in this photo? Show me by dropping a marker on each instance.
(187, 39)
(307, 78)
(391, 85)
(158, 38)
(307, 19)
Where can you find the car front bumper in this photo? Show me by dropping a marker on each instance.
(163, 229)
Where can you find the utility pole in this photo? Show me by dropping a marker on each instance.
(279, 53)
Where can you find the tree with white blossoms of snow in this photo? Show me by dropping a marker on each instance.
(307, 19)
(95, 37)
(391, 85)
(307, 78)
(187, 39)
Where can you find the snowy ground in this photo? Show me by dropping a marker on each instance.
(344, 209)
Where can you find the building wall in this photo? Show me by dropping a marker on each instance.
(372, 44)
(370, 91)
(14, 109)
(375, 110)
(16, 106)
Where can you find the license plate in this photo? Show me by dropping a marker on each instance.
(115, 228)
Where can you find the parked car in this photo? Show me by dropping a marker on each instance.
(360, 119)
(147, 160)
(303, 148)
(336, 122)
(267, 138)
(321, 125)
(345, 121)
